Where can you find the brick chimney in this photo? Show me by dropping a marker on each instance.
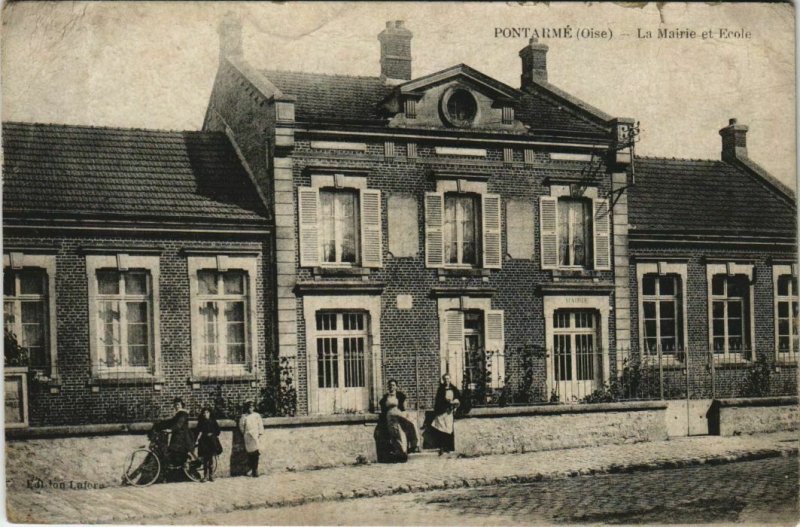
(395, 51)
(734, 141)
(230, 36)
(534, 62)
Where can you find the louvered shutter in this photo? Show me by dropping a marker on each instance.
(434, 233)
(371, 229)
(495, 347)
(454, 346)
(602, 235)
(492, 244)
(548, 224)
(308, 213)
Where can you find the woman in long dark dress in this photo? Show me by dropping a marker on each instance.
(208, 444)
(396, 433)
(448, 398)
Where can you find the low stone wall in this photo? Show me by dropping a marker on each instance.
(534, 428)
(97, 454)
(732, 417)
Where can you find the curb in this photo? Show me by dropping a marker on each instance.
(501, 480)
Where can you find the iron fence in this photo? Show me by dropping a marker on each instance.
(587, 375)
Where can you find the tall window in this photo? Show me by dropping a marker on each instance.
(462, 228)
(574, 232)
(339, 225)
(662, 314)
(730, 314)
(123, 308)
(25, 311)
(474, 351)
(787, 314)
(223, 306)
(341, 344)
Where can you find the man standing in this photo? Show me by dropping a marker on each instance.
(252, 428)
(181, 441)
(447, 401)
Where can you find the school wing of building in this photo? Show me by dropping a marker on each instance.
(326, 233)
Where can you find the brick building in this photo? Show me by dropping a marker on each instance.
(136, 268)
(447, 222)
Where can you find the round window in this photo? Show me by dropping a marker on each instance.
(460, 107)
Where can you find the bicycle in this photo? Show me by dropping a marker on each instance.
(143, 466)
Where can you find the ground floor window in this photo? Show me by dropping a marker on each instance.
(786, 314)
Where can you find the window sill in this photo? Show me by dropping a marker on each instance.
(340, 271)
(212, 376)
(100, 378)
(575, 273)
(464, 271)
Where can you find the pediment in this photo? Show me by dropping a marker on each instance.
(458, 97)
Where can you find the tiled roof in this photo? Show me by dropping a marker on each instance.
(687, 195)
(322, 97)
(332, 97)
(80, 170)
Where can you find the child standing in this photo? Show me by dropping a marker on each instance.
(208, 444)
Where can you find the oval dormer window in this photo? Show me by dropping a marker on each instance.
(459, 107)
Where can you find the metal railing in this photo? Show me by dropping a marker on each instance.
(536, 375)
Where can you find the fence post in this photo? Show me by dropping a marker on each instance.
(713, 374)
(660, 373)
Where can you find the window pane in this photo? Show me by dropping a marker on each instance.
(667, 309)
(138, 356)
(718, 309)
(718, 285)
(734, 309)
(734, 327)
(649, 284)
(667, 285)
(31, 281)
(108, 282)
(136, 283)
(32, 312)
(667, 328)
(234, 311)
(8, 282)
(450, 230)
(719, 327)
(783, 326)
(207, 282)
(327, 226)
(650, 328)
(650, 344)
(8, 316)
(32, 335)
(348, 225)
(469, 221)
(137, 335)
(783, 285)
(737, 287)
(783, 309)
(580, 235)
(719, 344)
(233, 282)
(236, 354)
(783, 344)
(649, 309)
(564, 255)
(137, 312)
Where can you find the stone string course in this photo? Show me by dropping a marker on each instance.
(422, 473)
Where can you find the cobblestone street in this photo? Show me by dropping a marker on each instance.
(760, 492)
(168, 503)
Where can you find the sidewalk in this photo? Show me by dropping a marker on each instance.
(421, 473)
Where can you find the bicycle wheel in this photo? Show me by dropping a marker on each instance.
(193, 467)
(142, 468)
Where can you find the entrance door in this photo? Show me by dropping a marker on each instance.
(576, 359)
(342, 362)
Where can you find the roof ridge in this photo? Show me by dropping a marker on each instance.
(664, 158)
(267, 71)
(106, 128)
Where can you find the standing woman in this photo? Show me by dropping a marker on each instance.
(448, 398)
(252, 427)
(208, 444)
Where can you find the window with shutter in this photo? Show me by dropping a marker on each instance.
(434, 236)
(454, 345)
(371, 228)
(548, 224)
(492, 244)
(602, 235)
(495, 348)
(308, 213)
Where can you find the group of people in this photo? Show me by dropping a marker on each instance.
(206, 437)
(397, 435)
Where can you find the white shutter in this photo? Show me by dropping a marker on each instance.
(602, 235)
(371, 229)
(495, 347)
(454, 346)
(308, 213)
(434, 233)
(548, 224)
(492, 243)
